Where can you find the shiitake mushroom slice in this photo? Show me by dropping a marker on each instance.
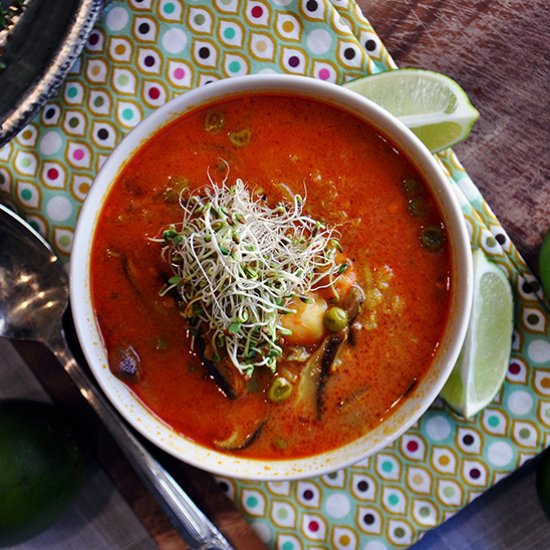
(314, 376)
(228, 378)
(352, 302)
(240, 438)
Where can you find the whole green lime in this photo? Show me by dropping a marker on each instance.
(544, 264)
(41, 468)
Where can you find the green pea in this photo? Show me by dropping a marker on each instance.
(336, 319)
(279, 390)
(432, 238)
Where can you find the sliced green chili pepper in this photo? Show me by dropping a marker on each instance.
(241, 138)
(214, 121)
(432, 238)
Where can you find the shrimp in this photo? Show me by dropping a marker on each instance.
(307, 323)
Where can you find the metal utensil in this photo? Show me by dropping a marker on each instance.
(34, 291)
(42, 47)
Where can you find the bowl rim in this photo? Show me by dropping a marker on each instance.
(140, 417)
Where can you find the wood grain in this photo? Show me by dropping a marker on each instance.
(498, 51)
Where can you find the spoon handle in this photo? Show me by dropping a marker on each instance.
(195, 528)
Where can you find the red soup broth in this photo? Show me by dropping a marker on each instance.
(354, 179)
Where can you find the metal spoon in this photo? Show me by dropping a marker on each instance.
(34, 293)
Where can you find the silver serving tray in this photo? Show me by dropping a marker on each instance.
(42, 47)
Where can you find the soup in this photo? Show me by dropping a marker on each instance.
(344, 355)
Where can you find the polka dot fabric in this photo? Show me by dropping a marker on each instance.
(145, 52)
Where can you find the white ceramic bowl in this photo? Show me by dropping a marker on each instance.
(423, 394)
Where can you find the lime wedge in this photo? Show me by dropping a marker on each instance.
(483, 361)
(432, 105)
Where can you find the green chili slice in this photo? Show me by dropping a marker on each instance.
(214, 121)
(432, 238)
(241, 138)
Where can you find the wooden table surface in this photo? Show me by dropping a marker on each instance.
(497, 50)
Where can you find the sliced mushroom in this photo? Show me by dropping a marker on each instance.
(358, 394)
(240, 438)
(352, 302)
(334, 344)
(228, 378)
(411, 386)
(314, 375)
(298, 354)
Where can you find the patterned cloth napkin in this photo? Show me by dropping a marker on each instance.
(145, 52)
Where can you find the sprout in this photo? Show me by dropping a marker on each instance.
(236, 263)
